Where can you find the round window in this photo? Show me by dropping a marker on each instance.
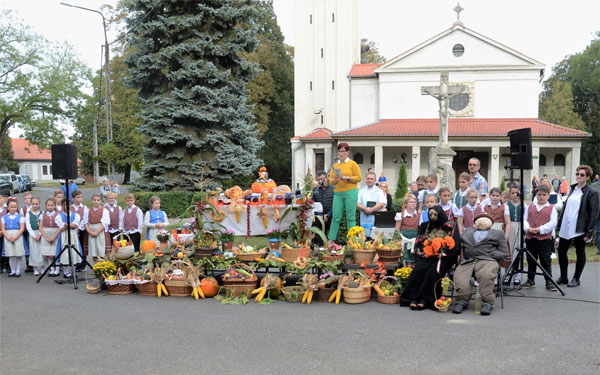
(459, 102)
(458, 50)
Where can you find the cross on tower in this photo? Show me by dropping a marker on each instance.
(458, 9)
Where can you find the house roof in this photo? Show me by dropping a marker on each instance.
(317, 134)
(460, 127)
(23, 150)
(363, 70)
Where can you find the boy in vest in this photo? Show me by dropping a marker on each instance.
(133, 219)
(539, 222)
(3, 211)
(466, 215)
(83, 213)
(115, 213)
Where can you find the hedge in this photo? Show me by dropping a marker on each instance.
(174, 203)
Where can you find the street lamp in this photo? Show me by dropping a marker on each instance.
(109, 123)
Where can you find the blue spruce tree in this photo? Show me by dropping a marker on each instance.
(192, 77)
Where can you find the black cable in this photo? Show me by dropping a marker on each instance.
(137, 23)
(558, 298)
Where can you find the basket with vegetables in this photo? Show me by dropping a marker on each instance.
(248, 253)
(390, 252)
(239, 279)
(388, 290)
(357, 288)
(176, 278)
(146, 284)
(205, 244)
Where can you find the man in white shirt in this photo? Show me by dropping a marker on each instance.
(371, 199)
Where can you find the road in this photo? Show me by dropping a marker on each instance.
(53, 329)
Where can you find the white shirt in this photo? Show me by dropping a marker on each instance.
(58, 220)
(400, 215)
(426, 192)
(140, 219)
(147, 223)
(559, 202)
(374, 194)
(469, 207)
(21, 221)
(546, 228)
(30, 230)
(85, 211)
(568, 227)
(506, 209)
(105, 220)
(111, 209)
(451, 206)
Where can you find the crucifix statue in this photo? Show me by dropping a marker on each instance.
(440, 157)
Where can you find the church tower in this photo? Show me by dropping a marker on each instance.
(327, 44)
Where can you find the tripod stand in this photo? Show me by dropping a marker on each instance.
(516, 266)
(68, 246)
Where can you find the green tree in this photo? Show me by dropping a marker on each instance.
(369, 52)
(7, 162)
(557, 106)
(582, 72)
(39, 83)
(402, 182)
(192, 83)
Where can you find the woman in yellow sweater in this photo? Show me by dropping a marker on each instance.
(346, 191)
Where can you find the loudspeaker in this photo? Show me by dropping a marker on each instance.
(520, 149)
(64, 162)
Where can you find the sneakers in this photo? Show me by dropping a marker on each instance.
(459, 307)
(486, 309)
(550, 286)
(528, 284)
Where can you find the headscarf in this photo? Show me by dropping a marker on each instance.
(442, 218)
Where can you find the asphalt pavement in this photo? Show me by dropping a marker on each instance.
(53, 329)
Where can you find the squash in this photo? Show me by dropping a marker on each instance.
(147, 245)
(209, 286)
(259, 185)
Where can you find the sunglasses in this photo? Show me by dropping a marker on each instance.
(580, 174)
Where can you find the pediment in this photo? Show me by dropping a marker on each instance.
(479, 52)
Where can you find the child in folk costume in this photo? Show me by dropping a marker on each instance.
(407, 223)
(133, 219)
(431, 201)
(115, 213)
(82, 211)
(155, 219)
(466, 215)
(76, 252)
(26, 207)
(58, 197)
(501, 216)
(32, 224)
(539, 221)
(96, 225)
(514, 236)
(449, 208)
(4, 260)
(460, 197)
(50, 232)
(432, 189)
(15, 248)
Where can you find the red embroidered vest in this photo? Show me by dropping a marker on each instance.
(130, 221)
(537, 218)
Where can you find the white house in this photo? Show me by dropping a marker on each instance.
(390, 121)
(32, 161)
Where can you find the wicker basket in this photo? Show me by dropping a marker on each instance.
(204, 252)
(441, 308)
(248, 257)
(236, 288)
(360, 256)
(389, 299)
(357, 295)
(391, 256)
(147, 288)
(179, 287)
(290, 255)
(331, 258)
(323, 294)
(292, 293)
(124, 252)
(118, 288)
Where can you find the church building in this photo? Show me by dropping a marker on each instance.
(378, 109)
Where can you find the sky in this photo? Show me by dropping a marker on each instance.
(545, 30)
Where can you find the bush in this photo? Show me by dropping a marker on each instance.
(402, 182)
(397, 204)
(174, 203)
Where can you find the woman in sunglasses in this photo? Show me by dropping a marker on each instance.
(576, 223)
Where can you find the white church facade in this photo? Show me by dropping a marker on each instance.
(386, 120)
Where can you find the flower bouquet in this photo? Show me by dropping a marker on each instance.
(104, 270)
(402, 274)
(437, 247)
(163, 236)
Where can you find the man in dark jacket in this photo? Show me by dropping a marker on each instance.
(324, 195)
(596, 186)
(483, 250)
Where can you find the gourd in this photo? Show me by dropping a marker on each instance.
(209, 286)
(148, 245)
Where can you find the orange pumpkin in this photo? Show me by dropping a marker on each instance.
(148, 245)
(258, 186)
(209, 286)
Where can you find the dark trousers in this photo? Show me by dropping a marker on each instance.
(135, 238)
(563, 260)
(539, 249)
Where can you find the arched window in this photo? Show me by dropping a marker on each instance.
(559, 160)
(542, 160)
(358, 158)
(372, 159)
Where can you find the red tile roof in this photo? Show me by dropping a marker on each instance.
(23, 150)
(363, 70)
(460, 127)
(318, 133)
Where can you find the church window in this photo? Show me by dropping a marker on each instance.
(458, 50)
(310, 85)
(333, 85)
(372, 161)
(542, 160)
(459, 102)
(559, 160)
(310, 19)
(321, 52)
(358, 158)
(321, 119)
(332, 17)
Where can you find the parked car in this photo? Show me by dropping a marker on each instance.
(6, 187)
(78, 181)
(27, 181)
(33, 183)
(13, 180)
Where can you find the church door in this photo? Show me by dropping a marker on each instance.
(461, 163)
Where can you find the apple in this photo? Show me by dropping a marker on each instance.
(443, 298)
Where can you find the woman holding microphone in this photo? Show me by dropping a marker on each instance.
(345, 195)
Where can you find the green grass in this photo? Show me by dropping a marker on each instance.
(52, 184)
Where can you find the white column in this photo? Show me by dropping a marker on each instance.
(297, 163)
(415, 163)
(494, 168)
(575, 160)
(309, 161)
(535, 152)
(378, 167)
(327, 152)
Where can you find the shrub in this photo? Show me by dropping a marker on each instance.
(174, 203)
(397, 204)
(402, 182)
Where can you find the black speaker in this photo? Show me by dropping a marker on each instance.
(64, 162)
(520, 149)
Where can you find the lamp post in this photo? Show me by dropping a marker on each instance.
(109, 123)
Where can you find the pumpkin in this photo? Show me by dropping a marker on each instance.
(148, 245)
(259, 185)
(209, 286)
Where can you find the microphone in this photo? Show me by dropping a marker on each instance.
(337, 160)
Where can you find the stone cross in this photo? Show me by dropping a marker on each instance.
(458, 9)
(443, 93)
